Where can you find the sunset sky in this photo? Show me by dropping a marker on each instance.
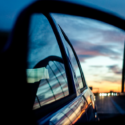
(99, 46)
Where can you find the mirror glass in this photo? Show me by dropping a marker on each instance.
(100, 49)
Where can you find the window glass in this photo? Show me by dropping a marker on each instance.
(75, 66)
(78, 79)
(45, 63)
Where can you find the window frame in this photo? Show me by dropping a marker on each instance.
(81, 72)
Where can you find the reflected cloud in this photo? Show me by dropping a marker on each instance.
(115, 69)
(98, 82)
(90, 37)
(96, 66)
(113, 36)
(110, 79)
(99, 47)
(89, 50)
(83, 57)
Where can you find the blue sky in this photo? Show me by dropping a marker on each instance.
(99, 46)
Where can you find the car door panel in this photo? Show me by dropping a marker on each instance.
(71, 113)
(87, 94)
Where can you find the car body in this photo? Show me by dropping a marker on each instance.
(70, 106)
(78, 104)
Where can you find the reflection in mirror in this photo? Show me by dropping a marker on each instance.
(71, 113)
(99, 47)
(79, 83)
(45, 72)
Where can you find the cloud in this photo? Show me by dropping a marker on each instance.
(95, 75)
(83, 57)
(115, 69)
(92, 39)
(98, 82)
(116, 57)
(81, 28)
(96, 66)
(87, 50)
(110, 79)
(113, 36)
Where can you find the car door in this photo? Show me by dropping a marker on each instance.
(55, 89)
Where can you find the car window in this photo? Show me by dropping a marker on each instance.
(78, 79)
(45, 63)
(75, 65)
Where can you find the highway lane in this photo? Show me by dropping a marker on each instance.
(105, 105)
(119, 103)
(106, 108)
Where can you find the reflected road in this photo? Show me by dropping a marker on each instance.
(105, 105)
(110, 106)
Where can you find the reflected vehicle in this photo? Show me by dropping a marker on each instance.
(48, 81)
(66, 101)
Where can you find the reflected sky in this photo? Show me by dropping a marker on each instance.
(110, 48)
(99, 47)
(42, 41)
(44, 62)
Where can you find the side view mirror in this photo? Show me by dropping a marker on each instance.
(18, 46)
(90, 88)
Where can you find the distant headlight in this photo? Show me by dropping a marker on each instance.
(103, 94)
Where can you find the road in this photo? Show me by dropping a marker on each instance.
(110, 106)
